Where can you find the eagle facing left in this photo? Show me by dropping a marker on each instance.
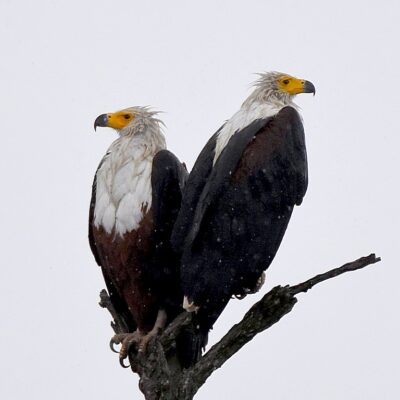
(136, 197)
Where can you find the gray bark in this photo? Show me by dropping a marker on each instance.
(161, 378)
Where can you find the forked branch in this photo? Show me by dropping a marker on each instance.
(261, 316)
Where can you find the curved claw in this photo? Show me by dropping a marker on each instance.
(121, 362)
(112, 343)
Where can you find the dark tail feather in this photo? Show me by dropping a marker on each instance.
(190, 345)
(193, 339)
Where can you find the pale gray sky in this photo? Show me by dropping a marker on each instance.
(64, 63)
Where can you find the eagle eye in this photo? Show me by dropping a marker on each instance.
(127, 116)
(286, 81)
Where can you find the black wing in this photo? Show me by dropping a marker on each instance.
(92, 243)
(168, 178)
(195, 185)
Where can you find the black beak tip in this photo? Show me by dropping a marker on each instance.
(101, 120)
(309, 87)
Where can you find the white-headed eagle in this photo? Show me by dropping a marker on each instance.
(136, 197)
(239, 197)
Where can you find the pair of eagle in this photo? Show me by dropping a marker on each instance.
(164, 238)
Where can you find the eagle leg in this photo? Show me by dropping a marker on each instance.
(159, 325)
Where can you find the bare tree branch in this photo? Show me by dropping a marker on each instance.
(351, 266)
(171, 332)
(262, 315)
(159, 378)
(118, 325)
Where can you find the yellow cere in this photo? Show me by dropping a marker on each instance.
(291, 85)
(120, 119)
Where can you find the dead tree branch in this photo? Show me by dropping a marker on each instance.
(118, 324)
(160, 380)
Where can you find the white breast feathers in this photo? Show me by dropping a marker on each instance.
(123, 188)
(244, 117)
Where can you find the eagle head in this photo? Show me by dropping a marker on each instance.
(128, 120)
(284, 83)
(278, 87)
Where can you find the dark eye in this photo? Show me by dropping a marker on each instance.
(127, 116)
(286, 81)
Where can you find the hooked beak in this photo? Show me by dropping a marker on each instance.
(308, 87)
(101, 120)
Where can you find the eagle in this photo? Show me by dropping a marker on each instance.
(239, 198)
(136, 196)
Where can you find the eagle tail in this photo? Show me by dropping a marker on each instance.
(190, 345)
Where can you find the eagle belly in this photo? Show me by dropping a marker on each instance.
(128, 267)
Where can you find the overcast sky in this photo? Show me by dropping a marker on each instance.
(64, 63)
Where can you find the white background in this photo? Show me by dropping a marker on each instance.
(64, 63)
